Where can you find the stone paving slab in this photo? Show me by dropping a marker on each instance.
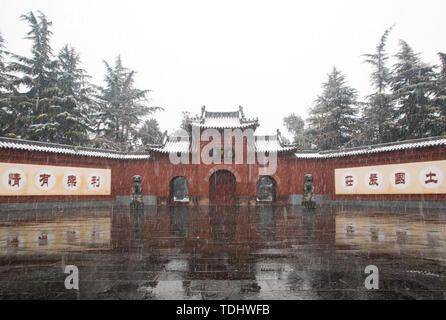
(275, 253)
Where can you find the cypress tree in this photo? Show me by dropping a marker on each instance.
(332, 121)
(121, 107)
(150, 133)
(437, 119)
(74, 121)
(412, 85)
(6, 109)
(377, 125)
(37, 106)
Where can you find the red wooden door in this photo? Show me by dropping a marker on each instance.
(222, 187)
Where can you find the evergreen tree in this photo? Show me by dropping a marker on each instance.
(150, 133)
(37, 107)
(376, 126)
(6, 92)
(3, 76)
(295, 125)
(185, 120)
(73, 120)
(437, 121)
(121, 106)
(332, 121)
(412, 85)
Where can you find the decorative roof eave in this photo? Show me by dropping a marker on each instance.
(164, 151)
(389, 147)
(282, 150)
(171, 145)
(253, 124)
(222, 120)
(289, 149)
(273, 143)
(37, 146)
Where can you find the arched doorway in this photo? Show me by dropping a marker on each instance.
(179, 190)
(222, 187)
(266, 189)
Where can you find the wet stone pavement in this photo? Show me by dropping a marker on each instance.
(223, 252)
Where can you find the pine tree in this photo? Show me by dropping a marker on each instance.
(6, 109)
(376, 126)
(412, 85)
(37, 107)
(73, 120)
(150, 133)
(295, 125)
(185, 120)
(332, 121)
(3, 76)
(437, 120)
(121, 107)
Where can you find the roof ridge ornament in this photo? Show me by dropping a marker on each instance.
(279, 137)
(242, 114)
(203, 111)
(164, 139)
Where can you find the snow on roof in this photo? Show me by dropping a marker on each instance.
(182, 144)
(27, 145)
(172, 145)
(271, 144)
(388, 147)
(261, 144)
(222, 120)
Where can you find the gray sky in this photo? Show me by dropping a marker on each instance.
(268, 56)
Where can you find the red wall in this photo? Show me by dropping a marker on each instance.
(158, 172)
(42, 158)
(198, 176)
(323, 172)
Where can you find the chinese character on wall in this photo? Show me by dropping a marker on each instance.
(373, 179)
(71, 181)
(14, 179)
(349, 181)
(400, 178)
(95, 181)
(43, 179)
(430, 177)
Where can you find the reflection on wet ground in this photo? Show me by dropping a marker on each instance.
(223, 252)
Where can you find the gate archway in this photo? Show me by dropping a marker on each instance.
(179, 189)
(222, 185)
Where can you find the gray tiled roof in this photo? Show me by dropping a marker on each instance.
(261, 144)
(26, 145)
(172, 145)
(394, 146)
(222, 120)
(182, 144)
(271, 144)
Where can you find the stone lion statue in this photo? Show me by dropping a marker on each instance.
(137, 199)
(308, 192)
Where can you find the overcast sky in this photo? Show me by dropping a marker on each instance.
(268, 56)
